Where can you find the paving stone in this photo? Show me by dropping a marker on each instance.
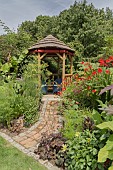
(23, 142)
(37, 136)
(30, 134)
(30, 144)
(19, 139)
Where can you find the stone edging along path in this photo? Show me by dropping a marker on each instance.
(49, 122)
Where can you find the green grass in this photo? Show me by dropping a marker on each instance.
(13, 159)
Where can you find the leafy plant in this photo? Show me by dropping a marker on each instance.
(49, 148)
(82, 151)
(87, 83)
(107, 150)
(74, 121)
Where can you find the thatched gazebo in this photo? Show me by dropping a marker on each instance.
(52, 47)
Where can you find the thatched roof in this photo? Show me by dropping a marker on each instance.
(50, 42)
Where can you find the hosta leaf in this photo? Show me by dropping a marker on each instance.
(106, 125)
(97, 117)
(110, 154)
(109, 144)
(110, 168)
(103, 154)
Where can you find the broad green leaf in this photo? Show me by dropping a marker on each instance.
(5, 68)
(25, 51)
(109, 144)
(97, 117)
(110, 168)
(103, 154)
(110, 154)
(106, 125)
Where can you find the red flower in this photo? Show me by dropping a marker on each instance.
(94, 73)
(89, 78)
(99, 70)
(111, 58)
(86, 69)
(90, 66)
(94, 91)
(63, 89)
(88, 87)
(59, 93)
(108, 60)
(107, 71)
(82, 62)
(101, 61)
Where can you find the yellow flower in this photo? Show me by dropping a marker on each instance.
(64, 147)
(77, 134)
(88, 140)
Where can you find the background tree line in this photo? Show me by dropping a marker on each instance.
(83, 27)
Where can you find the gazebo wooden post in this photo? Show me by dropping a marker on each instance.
(71, 66)
(63, 69)
(39, 76)
(58, 66)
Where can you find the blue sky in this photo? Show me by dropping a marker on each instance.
(14, 12)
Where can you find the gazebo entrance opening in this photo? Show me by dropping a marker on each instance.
(51, 47)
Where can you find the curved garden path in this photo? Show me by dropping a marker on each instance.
(49, 122)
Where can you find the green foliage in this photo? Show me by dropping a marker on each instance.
(107, 150)
(82, 151)
(6, 97)
(73, 121)
(21, 97)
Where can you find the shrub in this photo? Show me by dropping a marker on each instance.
(20, 97)
(73, 121)
(82, 151)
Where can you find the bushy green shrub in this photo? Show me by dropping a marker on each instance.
(73, 121)
(82, 151)
(7, 96)
(20, 97)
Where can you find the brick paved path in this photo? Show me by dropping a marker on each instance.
(48, 123)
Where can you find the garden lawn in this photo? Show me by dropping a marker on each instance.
(13, 159)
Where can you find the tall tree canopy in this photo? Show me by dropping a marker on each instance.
(82, 26)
